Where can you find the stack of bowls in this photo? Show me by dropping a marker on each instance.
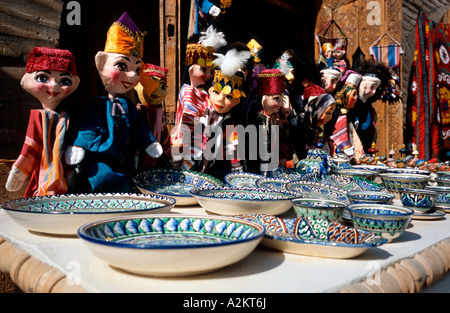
(393, 181)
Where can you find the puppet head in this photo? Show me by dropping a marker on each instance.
(200, 56)
(152, 88)
(327, 49)
(347, 96)
(50, 75)
(271, 86)
(226, 91)
(319, 110)
(330, 78)
(119, 65)
(375, 77)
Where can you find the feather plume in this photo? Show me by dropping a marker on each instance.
(212, 38)
(232, 61)
(284, 61)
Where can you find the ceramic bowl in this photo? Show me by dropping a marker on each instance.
(418, 199)
(272, 183)
(387, 221)
(393, 181)
(235, 201)
(370, 175)
(443, 173)
(442, 180)
(407, 170)
(242, 179)
(370, 196)
(443, 199)
(381, 168)
(310, 189)
(64, 214)
(318, 209)
(172, 244)
(174, 183)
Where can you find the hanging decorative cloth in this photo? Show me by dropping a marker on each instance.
(387, 54)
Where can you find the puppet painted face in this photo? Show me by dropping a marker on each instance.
(368, 87)
(154, 98)
(222, 103)
(327, 114)
(200, 75)
(272, 103)
(330, 80)
(119, 73)
(50, 87)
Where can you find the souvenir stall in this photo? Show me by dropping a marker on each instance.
(103, 201)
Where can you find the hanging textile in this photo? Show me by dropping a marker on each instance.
(428, 112)
(387, 54)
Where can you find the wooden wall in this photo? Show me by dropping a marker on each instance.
(356, 19)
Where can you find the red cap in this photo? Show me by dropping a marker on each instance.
(155, 70)
(271, 82)
(51, 59)
(312, 91)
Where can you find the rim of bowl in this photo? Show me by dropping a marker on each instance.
(339, 204)
(403, 211)
(83, 235)
(403, 190)
(170, 201)
(354, 194)
(197, 193)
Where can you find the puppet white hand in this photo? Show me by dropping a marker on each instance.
(16, 178)
(74, 155)
(214, 11)
(154, 150)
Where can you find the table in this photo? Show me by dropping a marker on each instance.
(412, 262)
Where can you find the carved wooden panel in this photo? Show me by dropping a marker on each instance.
(363, 22)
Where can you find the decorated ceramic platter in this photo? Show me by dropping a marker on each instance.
(272, 183)
(234, 201)
(311, 189)
(171, 245)
(64, 214)
(351, 183)
(242, 179)
(288, 173)
(431, 215)
(174, 183)
(314, 237)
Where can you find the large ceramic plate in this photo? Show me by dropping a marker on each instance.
(171, 244)
(348, 183)
(311, 189)
(288, 173)
(234, 201)
(64, 214)
(272, 183)
(314, 237)
(242, 179)
(174, 183)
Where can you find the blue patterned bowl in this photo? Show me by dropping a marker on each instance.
(310, 189)
(370, 196)
(242, 179)
(407, 170)
(418, 199)
(443, 199)
(393, 181)
(442, 181)
(380, 168)
(387, 221)
(272, 183)
(235, 201)
(171, 244)
(319, 209)
(64, 214)
(174, 183)
(370, 175)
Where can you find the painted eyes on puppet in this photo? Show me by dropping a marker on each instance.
(41, 78)
(163, 85)
(65, 82)
(121, 67)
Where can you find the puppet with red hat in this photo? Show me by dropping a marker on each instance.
(50, 76)
(111, 130)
